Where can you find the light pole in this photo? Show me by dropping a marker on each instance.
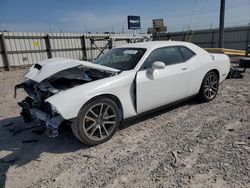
(221, 30)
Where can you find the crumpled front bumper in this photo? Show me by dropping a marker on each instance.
(30, 113)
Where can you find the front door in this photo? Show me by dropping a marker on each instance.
(163, 86)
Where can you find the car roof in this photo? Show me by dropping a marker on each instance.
(155, 44)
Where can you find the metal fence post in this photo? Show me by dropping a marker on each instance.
(48, 46)
(183, 35)
(110, 43)
(84, 53)
(248, 33)
(91, 48)
(5, 51)
(212, 39)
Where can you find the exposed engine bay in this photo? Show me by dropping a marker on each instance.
(62, 80)
(35, 107)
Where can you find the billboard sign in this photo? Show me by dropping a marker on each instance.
(134, 22)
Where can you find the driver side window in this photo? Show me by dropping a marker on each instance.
(167, 55)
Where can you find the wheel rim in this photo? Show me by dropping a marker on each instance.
(211, 86)
(99, 121)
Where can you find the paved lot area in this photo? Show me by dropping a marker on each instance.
(188, 145)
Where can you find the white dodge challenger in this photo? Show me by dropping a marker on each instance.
(124, 82)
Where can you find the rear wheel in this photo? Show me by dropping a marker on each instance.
(209, 87)
(97, 122)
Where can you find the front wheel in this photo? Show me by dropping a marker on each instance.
(97, 121)
(209, 87)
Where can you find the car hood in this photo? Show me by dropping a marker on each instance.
(49, 67)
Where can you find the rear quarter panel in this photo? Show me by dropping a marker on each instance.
(222, 62)
(204, 62)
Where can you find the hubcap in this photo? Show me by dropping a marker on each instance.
(211, 86)
(99, 121)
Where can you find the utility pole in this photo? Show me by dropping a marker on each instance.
(50, 30)
(122, 29)
(221, 30)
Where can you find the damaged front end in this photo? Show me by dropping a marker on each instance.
(34, 106)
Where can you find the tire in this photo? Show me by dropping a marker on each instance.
(209, 87)
(97, 121)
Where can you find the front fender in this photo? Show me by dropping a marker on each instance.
(69, 102)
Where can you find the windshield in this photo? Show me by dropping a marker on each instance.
(121, 58)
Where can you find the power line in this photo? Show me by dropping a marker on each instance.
(215, 10)
(204, 6)
(197, 16)
(209, 12)
(207, 19)
(208, 26)
(191, 18)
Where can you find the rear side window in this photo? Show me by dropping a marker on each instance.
(186, 53)
(167, 55)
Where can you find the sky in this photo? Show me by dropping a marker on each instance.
(111, 15)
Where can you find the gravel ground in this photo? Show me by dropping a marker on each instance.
(188, 145)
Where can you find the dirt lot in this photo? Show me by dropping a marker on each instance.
(211, 142)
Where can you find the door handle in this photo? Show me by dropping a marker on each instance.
(184, 68)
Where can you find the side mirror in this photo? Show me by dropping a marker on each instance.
(156, 65)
